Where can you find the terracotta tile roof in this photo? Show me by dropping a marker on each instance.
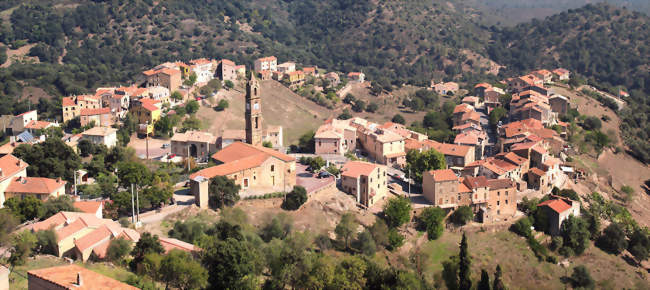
(537, 171)
(169, 71)
(294, 73)
(239, 156)
(523, 146)
(8, 148)
(387, 136)
(61, 218)
(560, 71)
(552, 161)
(557, 205)
(467, 138)
(10, 165)
(475, 182)
(34, 185)
(489, 165)
(149, 104)
(470, 99)
(227, 62)
(354, 169)
(309, 70)
(354, 74)
(513, 158)
(443, 175)
(66, 278)
(483, 85)
(129, 234)
(539, 149)
(231, 167)
(496, 184)
(172, 244)
(88, 206)
(194, 136)
(101, 249)
(99, 131)
(37, 125)
(71, 229)
(328, 131)
(462, 188)
(93, 238)
(92, 112)
(67, 102)
(448, 149)
(201, 61)
(463, 108)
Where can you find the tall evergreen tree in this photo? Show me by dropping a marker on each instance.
(484, 284)
(464, 279)
(498, 284)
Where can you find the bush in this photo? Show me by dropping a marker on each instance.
(397, 211)
(522, 227)
(398, 119)
(395, 240)
(462, 215)
(431, 219)
(223, 104)
(372, 107)
(612, 239)
(556, 243)
(551, 259)
(118, 249)
(581, 278)
(295, 199)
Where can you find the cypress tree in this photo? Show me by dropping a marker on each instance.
(498, 284)
(464, 279)
(484, 284)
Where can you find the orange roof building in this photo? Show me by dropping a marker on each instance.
(367, 182)
(254, 168)
(72, 277)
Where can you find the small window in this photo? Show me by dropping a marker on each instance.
(498, 202)
(506, 201)
(272, 168)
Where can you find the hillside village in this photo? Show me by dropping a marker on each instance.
(506, 154)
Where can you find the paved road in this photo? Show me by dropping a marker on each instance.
(183, 202)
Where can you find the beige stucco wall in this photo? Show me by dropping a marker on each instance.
(5, 183)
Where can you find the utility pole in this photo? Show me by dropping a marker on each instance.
(147, 140)
(75, 183)
(137, 198)
(188, 158)
(409, 181)
(132, 206)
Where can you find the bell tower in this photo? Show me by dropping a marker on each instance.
(253, 112)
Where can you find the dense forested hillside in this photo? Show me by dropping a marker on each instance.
(610, 46)
(509, 12)
(83, 44)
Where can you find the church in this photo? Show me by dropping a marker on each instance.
(257, 169)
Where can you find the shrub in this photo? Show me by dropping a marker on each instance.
(431, 219)
(556, 243)
(522, 227)
(462, 215)
(551, 259)
(398, 119)
(295, 199)
(581, 278)
(395, 240)
(397, 211)
(612, 239)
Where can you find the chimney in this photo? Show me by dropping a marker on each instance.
(79, 280)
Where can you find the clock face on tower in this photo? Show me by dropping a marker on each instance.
(256, 106)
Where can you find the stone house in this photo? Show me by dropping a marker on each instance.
(195, 143)
(558, 209)
(269, 63)
(559, 104)
(100, 117)
(166, 77)
(226, 70)
(367, 182)
(357, 77)
(101, 135)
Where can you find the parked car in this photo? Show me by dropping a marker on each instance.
(324, 174)
(166, 145)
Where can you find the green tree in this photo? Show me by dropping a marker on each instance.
(420, 260)
(295, 199)
(230, 263)
(575, 234)
(147, 244)
(639, 245)
(399, 119)
(592, 123)
(464, 266)
(613, 239)
(53, 206)
(176, 95)
(118, 249)
(189, 231)
(191, 107)
(462, 215)
(223, 192)
(366, 244)
(8, 223)
(279, 227)
(346, 229)
(23, 243)
(51, 158)
(359, 106)
(317, 163)
(484, 284)
(131, 172)
(432, 219)
(306, 142)
(179, 270)
(498, 283)
(191, 80)
(395, 239)
(522, 227)
(229, 84)
(581, 278)
(223, 104)
(372, 107)
(397, 211)
(450, 273)
(419, 162)
(345, 115)
(379, 231)
(496, 115)
(25, 209)
(349, 274)
(86, 147)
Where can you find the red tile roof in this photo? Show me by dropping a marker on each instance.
(227, 62)
(268, 58)
(537, 171)
(93, 238)
(557, 205)
(475, 182)
(354, 169)
(10, 165)
(71, 229)
(66, 278)
(174, 244)
(88, 206)
(37, 125)
(239, 156)
(496, 184)
(483, 85)
(35, 185)
(67, 102)
(443, 175)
